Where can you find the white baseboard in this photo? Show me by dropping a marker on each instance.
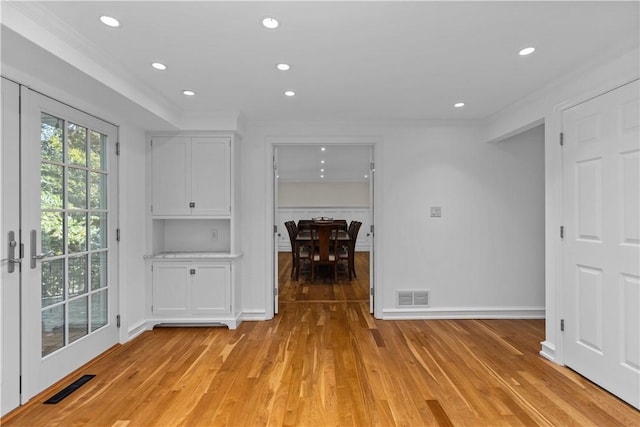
(257, 315)
(464, 313)
(137, 329)
(548, 351)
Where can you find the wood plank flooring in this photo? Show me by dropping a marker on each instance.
(324, 288)
(330, 363)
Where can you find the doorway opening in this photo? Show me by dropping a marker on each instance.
(333, 181)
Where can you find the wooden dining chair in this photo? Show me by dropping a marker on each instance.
(348, 253)
(324, 247)
(293, 232)
(304, 224)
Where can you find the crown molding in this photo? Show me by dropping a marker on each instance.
(31, 21)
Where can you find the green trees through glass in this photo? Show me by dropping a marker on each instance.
(73, 200)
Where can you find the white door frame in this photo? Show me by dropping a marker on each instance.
(272, 142)
(10, 369)
(552, 346)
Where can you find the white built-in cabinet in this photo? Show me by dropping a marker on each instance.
(193, 253)
(191, 176)
(191, 288)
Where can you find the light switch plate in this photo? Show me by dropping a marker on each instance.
(436, 211)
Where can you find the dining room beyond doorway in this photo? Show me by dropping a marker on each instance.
(313, 182)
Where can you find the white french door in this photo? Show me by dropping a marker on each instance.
(68, 220)
(601, 216)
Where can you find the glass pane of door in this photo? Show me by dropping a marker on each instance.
(73, 218)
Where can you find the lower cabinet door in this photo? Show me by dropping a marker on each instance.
(210, 289)
(170, 288)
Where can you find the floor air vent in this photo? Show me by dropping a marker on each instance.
(68, 390)
(413, 298)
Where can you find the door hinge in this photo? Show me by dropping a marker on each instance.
(275, 166)
(20, 384)
(118, 320)
(561, 325)
(371, 228)
(562, 231)
(275, 229)
(117, 148)
(372, 291)
(372, 166)
(117, 235)
(561, 139)
(275, 292)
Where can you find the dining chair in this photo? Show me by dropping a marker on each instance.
(348, 253)
(304, 224)
(293, 232)
(324, 247)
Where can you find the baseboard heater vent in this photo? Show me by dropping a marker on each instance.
(57, 398)
(190, 325)
(413, 298)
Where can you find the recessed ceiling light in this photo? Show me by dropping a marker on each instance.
(323, 149)
(290, 93)
(159, 66)
(322, 161)
(366, 176)
(321, 176)
(270, 23)
(527, 51)
(283, 67)
(321, 170)
(188, 92)
(109, 21)
(458, 104)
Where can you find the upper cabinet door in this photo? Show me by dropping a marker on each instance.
(191, 176)
(171, 184)
(211, 176)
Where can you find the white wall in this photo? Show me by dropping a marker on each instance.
(132, 226)
(486, 252)
(309, 194)
(482, 258)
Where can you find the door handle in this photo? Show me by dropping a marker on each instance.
(34, 257)
(42, 255)
(11, 252)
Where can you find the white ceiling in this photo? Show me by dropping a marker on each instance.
(351, 61)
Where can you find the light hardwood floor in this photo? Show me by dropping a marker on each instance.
(324, 361)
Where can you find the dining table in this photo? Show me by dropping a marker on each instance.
(305, 224)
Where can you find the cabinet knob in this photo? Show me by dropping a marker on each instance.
(192, 204)
(192, 271)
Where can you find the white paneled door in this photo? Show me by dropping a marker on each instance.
(601, 217)
(69, 210)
